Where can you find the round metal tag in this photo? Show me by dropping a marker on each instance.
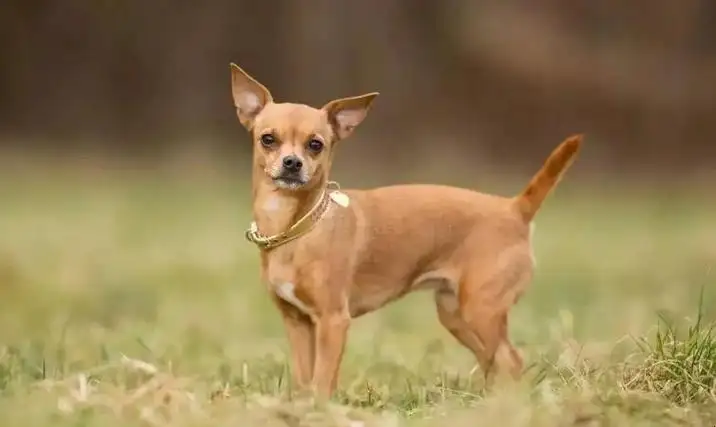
(341, 199)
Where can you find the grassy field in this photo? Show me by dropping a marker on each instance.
(131, 298)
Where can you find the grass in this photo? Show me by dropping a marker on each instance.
(130, 298)
(679, 368)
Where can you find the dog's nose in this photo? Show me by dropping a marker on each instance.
(292, 163)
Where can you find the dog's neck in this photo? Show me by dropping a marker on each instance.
(275, 210)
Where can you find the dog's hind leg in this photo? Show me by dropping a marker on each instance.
(500, 358)
(486, 296)
(449, 316)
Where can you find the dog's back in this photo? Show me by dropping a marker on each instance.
(441, 233)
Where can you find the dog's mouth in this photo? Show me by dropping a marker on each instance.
(289, 182)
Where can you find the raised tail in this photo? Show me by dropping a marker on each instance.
(529, 201)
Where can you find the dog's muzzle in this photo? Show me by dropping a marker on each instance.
(292, 174)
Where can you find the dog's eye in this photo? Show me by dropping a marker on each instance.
(315, 145)
(267, 140)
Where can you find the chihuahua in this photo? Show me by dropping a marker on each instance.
(330, 255)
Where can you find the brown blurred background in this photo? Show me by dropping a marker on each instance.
(490, 82)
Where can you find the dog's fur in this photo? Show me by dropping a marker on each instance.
(472, 249)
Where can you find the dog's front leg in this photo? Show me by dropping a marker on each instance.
(331, 334)
(300, 331)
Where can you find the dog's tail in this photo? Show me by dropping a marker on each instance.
(529, 201)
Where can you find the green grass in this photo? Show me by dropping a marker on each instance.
(131, 298)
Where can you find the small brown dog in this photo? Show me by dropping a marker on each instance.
(328, 256)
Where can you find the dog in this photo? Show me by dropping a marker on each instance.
(330, 255)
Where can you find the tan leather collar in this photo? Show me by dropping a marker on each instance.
(302, 226)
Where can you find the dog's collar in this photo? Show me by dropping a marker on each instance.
(302, 226)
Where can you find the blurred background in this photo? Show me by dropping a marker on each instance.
(474, 83)
(124, 173)
(124, 176)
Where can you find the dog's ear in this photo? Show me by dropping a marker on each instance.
(250, 96)
(347, 113)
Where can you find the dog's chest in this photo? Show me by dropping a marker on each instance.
(287, 292)
(281, 278)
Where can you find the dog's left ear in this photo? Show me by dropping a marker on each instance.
(347, 113)
(250, 96)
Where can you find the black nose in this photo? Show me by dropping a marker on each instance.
(292, 163)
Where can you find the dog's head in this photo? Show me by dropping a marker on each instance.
(293, 143)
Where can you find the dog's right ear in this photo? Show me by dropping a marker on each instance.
(250, 96)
